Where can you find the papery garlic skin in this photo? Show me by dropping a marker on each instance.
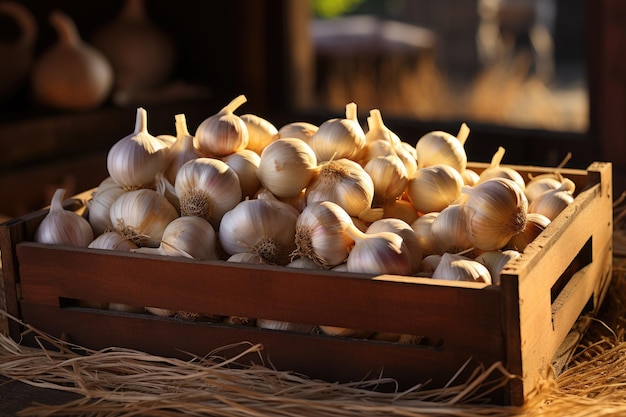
(389, 177)
(112, 241)
(141, 216)
(191, 237)
(422, 228)
(459, 268)
(345, 183)
(224, 132)
(448, 232)
(134, 160)
(495, 211)
(207, 188)
(434, 188)
(378, 253)
(63, 227)
(321, 235)
(287, 166)
(263, 227)
(261, 132)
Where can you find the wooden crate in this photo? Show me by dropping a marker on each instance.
(521, 323)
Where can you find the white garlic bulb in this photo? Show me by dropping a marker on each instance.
(339, 138)
(300, 130)
(459, 268)
(134, 160)
(346, 183)
(99, 206)
(448, 232)
(142, 215)
(429, 264)
(538, 185)
(246, 258)
(321, 235)
(224, 132)
(287, 166)
(207, 188)
(496, 170)
(470, 177)
(389, 176)
(265, 227)
(405, 231)
(112, 241)
(191, 237)
(63, 227)
(182, 150)
(438, 147)
(378, 253)
(495, 210)
(435, 187)
(304, 263)
(495, 261)
(422, 228)
(245, 163)
(552, 202)
(261, 132)
(535, 225)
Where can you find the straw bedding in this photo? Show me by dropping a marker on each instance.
(123, 382)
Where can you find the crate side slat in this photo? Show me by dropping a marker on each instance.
(461, 316)
(328, 358)
(11, 232)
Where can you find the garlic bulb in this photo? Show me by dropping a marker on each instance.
(261, 132)
(71, 74)
(378, 253)
(300, 130)
(339, 138)
(134, 160)
(100, 205)
(142, 215)
(320, 234)
(207, 188)
(245, 163)
(346, 183)
(400, 209)
(266, 227)
(246, 258)
(378, 131)
(539, 185)
(287, 166)
(495, 261)
(435, 187)
(284, 326)
(405, 231)
(448, 232)
(389, 177)
(422, 228)
(112, 241)
(224, 132)
(304, 263)
(535, 225)
(496, 170)
(63, 227)
(429, 264)
(438, 147)
(345, 332)
(182, 150)
(191, 237)
(459, 268)
(495, 211)
(470, 177)
(550, 203)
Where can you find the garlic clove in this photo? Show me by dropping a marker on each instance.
(224, 132)
(495, 210)
(459, 268)
(63, 227)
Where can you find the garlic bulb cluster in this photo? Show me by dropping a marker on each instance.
(134, 160)
(63, 227)
(339, 138)
(224, 132)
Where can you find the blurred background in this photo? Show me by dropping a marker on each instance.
(541, 78)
